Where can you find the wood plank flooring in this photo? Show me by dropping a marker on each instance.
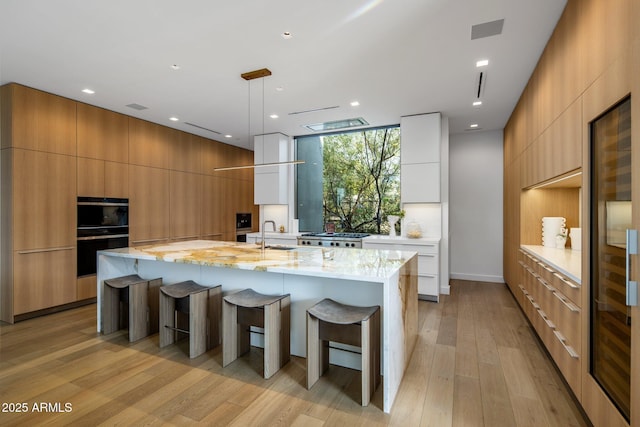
(477, 362)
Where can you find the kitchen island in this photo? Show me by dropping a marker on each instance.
(351, 276)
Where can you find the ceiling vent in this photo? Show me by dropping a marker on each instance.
(203, 128)
(314, 110)
(481, 82)
(487, 29)
(137, 107)
(337, 124)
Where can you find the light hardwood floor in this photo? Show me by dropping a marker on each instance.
(477, 362)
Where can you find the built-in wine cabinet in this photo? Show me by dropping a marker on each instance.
(610, 340)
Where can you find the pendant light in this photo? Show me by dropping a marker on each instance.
(248, 76)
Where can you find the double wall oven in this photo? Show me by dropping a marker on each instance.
(103, 223)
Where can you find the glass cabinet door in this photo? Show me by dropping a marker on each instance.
(610, 343)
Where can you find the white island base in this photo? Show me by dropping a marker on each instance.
(349, 276)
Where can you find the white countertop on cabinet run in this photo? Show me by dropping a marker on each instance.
(565, 261)
(383, 238)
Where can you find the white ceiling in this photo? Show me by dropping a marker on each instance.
(396, 57)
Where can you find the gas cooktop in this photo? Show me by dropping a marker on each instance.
(338, 235)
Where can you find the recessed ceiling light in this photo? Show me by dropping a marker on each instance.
(287, 35)
(228, 136)
(355, 103)
(175, 67)
(173, 119)
(88, 91)
(274, 116)
(477, 103)
(475, 125)
(482, 63)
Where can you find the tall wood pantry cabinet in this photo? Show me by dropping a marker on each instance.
(38, 201)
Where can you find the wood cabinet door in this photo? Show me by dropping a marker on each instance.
(43, 279)
(185, 205)
(44, 200)
(41, 121)
(116, 180)
(148, 205)
(212, 208)
(90, 177)
(185, 153)
(102, 134)
(149, 143)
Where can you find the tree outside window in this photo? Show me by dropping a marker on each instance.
(360, 179)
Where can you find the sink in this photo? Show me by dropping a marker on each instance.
(280, 248)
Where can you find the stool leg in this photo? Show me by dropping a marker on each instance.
(314, 356)
(110, 308)
(272, 349)
(167, 317)
(229, 332)
(198, 323)
(375, 340)
(215, 312)
(138, 311)
(153, 299)
(285, 330)
(367, 362)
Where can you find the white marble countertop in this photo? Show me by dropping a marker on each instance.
(383, 238)
(565, 261)
(339, 263)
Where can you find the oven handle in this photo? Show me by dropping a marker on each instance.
(103, 237)
(102, 204)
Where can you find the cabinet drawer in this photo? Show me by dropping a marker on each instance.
(567, 359)
(427, 264)
(568, 287)
(428, 285)
(426, 249)
(566, 315)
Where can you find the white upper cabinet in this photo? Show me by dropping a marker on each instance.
(420, 137)
(271, 182)
(420, 154)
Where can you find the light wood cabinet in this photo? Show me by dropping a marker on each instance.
(98, 178)
(185, 205)
(102, 134)
(556, 318)
(150, 143)
(38, 121)
(148, 205)
(185, 153)
(43, 279)
(44, 199)
(116, 180)
(86, 287)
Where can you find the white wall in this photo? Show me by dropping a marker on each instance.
(475, 197)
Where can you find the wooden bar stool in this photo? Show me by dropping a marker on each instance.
(201, 304)
(357, 326)
(141, 297)
(249, 308)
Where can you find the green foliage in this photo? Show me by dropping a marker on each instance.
(361, 179)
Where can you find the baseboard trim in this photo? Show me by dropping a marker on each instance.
(477, 277)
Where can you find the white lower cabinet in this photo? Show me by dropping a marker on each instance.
(428, 261)
(270, 239)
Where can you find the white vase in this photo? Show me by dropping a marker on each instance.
(392, 224)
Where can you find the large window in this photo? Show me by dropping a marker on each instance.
(349, 181)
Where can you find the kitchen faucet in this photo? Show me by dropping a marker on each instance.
(264, 225)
